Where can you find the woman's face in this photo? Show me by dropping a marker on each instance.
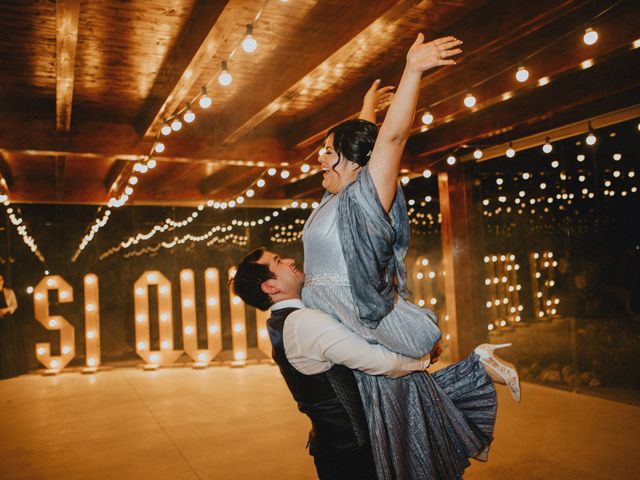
(334, 179)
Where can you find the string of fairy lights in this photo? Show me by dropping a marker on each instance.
(15, 216)
(123, 188)
(249, 45)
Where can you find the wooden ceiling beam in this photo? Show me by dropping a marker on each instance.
(191, 54)
(503, 23)
(67, 15)
(577, 95)
(348, 19)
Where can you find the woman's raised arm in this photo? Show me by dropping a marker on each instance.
(394, 132)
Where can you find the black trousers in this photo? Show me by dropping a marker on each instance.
(354, 465)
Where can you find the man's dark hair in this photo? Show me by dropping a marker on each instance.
(248, 280)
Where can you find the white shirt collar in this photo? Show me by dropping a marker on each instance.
(290, 303)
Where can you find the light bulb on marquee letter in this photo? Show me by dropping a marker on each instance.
(167, 354)
(238, 326)
(54, 322)
(214, 316)
(201, 357)
(91, 323)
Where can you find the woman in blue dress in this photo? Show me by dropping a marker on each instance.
(422, 426)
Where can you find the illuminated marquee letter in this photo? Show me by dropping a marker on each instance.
(238, 326)
(166, 355)
(542, 274)
(91, 323)
(502, 283)
(54, 322)
(202, 357)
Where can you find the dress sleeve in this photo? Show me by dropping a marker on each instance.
(374, 244)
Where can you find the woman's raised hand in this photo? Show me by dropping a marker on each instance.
(424, 56)
(378, 97)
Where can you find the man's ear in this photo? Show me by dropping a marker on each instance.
(270, 287)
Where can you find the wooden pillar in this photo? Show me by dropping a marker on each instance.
(456, 208)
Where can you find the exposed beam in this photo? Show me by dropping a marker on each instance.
(32, 136)
(6, 178)
(67, 15)
(346, 23)
(228, 179)
(192, 53)
(60, 165)
(576, 95)
(504, 23)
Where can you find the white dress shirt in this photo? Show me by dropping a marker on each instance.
(315, 341)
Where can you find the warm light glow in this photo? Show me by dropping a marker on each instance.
(225, 77)
(304, 168)
(189, 116)
(477, 154)
(547, 147)
(426, 173)
(427, 118)
(451, 160)
(405, 180)
(542, 81)
(510, 152)
(522, 74)
(249, 43)
(591, 139)
(586, 64)
(176, 125)
(590, 36)
(469, 100)
(204, 101)
(159, 147)
(166, 130)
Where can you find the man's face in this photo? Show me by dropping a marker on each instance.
(289, 279)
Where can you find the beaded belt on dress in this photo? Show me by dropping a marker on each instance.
(326, 279)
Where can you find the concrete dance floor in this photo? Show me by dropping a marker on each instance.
(224, 423)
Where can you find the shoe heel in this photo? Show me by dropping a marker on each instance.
(505, 370)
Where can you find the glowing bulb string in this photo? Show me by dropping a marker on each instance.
(467, 90)
(223, 68)
(147, 162)
(15, 216)
(239, 240)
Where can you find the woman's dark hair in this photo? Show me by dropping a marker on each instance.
(354, 139)
(248, 280)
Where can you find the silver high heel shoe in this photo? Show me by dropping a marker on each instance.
(503, 369)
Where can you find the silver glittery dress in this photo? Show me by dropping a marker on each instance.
(421, 426)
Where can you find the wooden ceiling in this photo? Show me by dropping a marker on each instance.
(87, 84)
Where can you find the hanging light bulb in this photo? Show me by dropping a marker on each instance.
(477, 154)
(469, 100)
(451, 160)
(176, 125)
(152, 163)
(166, 129)
(426, 173)
(522, 74)
(547, 147)
(510, 151)
(225, 77)
(159, 147)
(205, 100)
(591, 138)
(305, 167)
(189, 116)
(427, 118)
(249, 43)
(590, 36)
